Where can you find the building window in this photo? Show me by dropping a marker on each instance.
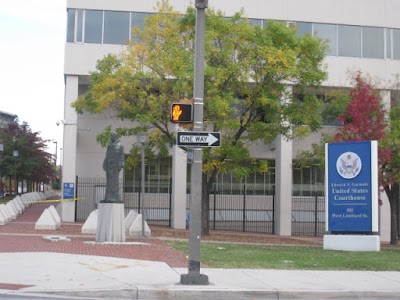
(113, 27)
(79, 25)
(327, 32)
(137, 20)
(396, 43)
(388, 45)
(71, 25)
(255, 184)
(349, 41)
(116, 28)
(373, 42)
(93, 26)
(255, 22)
(303, 28)
(308, 181)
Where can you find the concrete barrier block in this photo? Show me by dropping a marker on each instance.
(51, 195)
(5, 213)
(35, 197)
(55, 215)
(46, 221)
(3, 218)
(90, 226)
(59, 209)
(14, 207)
(30, 198)
(130, 218)
(11, 210)
(26, 200)
(17, 207)
(19, 202)
(136, 228)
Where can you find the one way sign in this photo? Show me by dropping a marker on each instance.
(198, 139)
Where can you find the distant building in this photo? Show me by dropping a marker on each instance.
(6, 118)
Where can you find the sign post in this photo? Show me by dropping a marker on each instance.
(194, 277)
(351, 192)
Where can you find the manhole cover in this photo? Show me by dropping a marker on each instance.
(56, 238)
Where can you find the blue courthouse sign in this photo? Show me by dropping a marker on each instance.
(69, 190)
(351, 187)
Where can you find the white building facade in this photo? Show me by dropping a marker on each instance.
(364, 35)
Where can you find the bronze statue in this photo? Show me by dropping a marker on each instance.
(112, 165)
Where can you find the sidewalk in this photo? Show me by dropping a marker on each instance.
(149, 269)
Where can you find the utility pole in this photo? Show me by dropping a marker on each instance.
(142, 139)
(55, 166)
(194, 277)
(1, 176)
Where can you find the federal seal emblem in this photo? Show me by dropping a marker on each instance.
(348, 165)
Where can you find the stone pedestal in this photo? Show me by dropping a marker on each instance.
(110, 223)
(352, 242)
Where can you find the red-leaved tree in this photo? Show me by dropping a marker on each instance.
(33, 162)
(366, 119)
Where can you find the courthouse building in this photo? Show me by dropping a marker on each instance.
(363, 36)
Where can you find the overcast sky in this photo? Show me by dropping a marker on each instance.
(32, 39)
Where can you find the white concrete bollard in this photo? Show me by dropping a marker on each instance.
(46, 221)
(136, 228)
(90, 226)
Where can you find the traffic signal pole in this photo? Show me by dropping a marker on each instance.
(194, 277)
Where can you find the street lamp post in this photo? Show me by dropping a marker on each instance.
(55, 166)
(142, 139)
(1, 177)
(15, 155)
(55, 155)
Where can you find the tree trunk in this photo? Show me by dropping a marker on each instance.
(393, 196)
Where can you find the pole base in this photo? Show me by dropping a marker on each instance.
(194, 279)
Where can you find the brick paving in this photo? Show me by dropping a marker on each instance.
(20, 235)
(14, 287)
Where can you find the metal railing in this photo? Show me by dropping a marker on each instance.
(157, 206)
(308, 215)
(239, 208)
(244, 211)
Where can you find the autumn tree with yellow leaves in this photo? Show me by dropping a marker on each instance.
(247, 71)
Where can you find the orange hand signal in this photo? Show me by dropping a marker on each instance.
(176, 112)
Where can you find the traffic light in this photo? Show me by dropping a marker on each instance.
(181, 113)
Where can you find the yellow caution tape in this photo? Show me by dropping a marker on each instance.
(61, 200)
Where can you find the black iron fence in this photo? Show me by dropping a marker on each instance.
(308, 215)
(156, 206)
(155, 202)
(242, 207)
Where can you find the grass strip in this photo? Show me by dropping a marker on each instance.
(248, 256)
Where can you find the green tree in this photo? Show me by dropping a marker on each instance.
(33, 162)
(247, 71)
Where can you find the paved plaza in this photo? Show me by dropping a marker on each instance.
(78, 268)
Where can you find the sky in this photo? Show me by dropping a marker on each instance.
(32, 41)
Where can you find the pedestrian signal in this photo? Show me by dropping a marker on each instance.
(181, 113)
